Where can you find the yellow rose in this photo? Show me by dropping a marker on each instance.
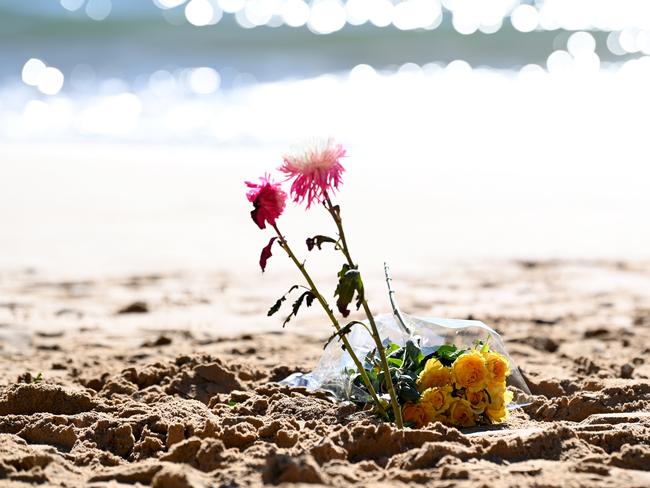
(415, 413)
(499, 395)
(433, 375)
(470, 371)
(496, 411)
(496, 392)
(435, 401)
(497, 366)
(478, 400)
(496, 415)
(461, 414)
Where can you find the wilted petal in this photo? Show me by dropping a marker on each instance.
(266, 254)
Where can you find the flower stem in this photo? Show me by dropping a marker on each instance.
(391, 295)
(364, 375)
(397, 411)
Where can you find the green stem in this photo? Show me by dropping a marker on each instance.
(397, 411)
(364, 375)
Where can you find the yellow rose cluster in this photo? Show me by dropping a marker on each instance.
(471, 391)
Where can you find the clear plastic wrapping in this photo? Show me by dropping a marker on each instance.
(331, 373)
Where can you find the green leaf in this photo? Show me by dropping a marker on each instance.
(407, 389)
(413, 352)
(397, 362)
(318, 241)
(349, 283)
(448, 353)
(276, 306)
(307, 296)
(393, 349)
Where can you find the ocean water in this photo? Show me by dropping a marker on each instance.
(458, 146)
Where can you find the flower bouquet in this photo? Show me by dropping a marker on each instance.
(410, 370)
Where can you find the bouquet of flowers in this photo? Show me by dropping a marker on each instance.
(407, 374)
(455, 386)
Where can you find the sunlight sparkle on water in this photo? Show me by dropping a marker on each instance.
(204, 80)
(295, 13)
(580, 43)
(202, 12)
(231, 6)
(48, 79)
(381, 13)
(259, 12)
(467, 16)
(32, 71)
(98, 9)
(357, 11)
(525, 18)
(190, 105)
(72, 5)
(327, 16)
(170, 3)
(414, 14)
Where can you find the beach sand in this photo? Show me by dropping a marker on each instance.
(168, 379)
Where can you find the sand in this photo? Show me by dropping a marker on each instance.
(169, 380)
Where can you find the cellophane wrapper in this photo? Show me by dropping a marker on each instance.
(332, 372)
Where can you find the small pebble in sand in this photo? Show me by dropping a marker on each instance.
(627, 370)
(135, 307)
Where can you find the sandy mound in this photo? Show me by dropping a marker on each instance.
(154, 411)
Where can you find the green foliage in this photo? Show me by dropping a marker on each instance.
(405, 363)
(446, 354)
(349, 283)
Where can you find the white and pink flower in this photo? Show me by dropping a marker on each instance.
(315, 170)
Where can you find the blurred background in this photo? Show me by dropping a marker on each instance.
(474, 128)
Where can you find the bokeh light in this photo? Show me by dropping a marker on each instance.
(231, 6)
(203, 94)
(204, 80)
(559, 62)
(295, 13)
(357, 11)
(525, 18)
(72, 5)
(98, 9)
(200, 12)
(169, 3)
(50, 81)
(327, 16)
(580, 43)
(32, 71)
(380, 13)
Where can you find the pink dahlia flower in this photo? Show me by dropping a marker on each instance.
(268, 199)
(315, 169)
